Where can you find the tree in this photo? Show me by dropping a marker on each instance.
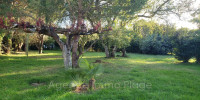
(197, 38)
(1, 38)
(78, 11)
(7, 42)
(143, 8)
(18, 40)
(123, 11)
(4, 22)
(41, 9)
(10, 12)
(124, 41)
(187, 45)
(120, 38)
(37, 40)
(83, 42)
(5, 7)
(152, 38)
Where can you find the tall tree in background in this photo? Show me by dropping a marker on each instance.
(18, 41)
(197, 21)
(41, 10)
(10, 11)
(123, 10)
(144, 9)
(119, 38)
(1, 38)
(5, 10)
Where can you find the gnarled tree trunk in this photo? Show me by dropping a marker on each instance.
(19, 47)
(66, 48)
(106, 50)
(75, 56)
(67, 57)
(40, 44)
(7, 44)
(124, 52)
(112, 51)
(1, 38)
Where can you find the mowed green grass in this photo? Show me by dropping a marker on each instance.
(138, 77)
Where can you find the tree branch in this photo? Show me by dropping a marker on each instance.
(80, 53)
(152, 14)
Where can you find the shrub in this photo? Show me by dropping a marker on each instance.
(196, 50)
(155, 44)
(187, 47)
(183, 51)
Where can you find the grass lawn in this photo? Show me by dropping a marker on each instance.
(139, 77)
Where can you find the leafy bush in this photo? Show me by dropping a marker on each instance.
(134, 45)
(155, 44)
(1, 38)
(196, 43)
(183, 50)
(187, 47)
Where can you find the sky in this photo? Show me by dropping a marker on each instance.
(185, 20)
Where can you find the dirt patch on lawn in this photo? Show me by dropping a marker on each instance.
(37, 84)
(100, 61)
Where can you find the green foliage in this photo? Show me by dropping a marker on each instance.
(93, 69)
(7, 42)
(196, 20)
(96, 47)
(187, 46)
(18, 40)
(125, 9)
(155, 44)
(13, 8)
(50, 43)
(118, 37)
(86, 41)
(80, 76)
(5, 7)
(183, 51)
(123, 38)
(1, 39)
(151, 38)
(2, 33)
(47, 10)
(77, 76)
